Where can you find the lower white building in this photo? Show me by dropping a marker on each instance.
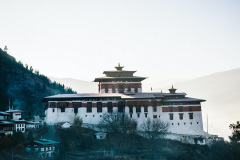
(120, 91)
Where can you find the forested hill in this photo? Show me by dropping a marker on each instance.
(24, 86)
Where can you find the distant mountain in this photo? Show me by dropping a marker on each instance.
(222, 92)
(78, 85)
(24, 87)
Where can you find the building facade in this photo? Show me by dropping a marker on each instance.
(121, 91)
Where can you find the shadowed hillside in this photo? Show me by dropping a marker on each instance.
(222, 92)
(24, 86)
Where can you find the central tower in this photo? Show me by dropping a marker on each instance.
(119, 81)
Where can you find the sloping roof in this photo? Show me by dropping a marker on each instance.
(186, 99)
(18, 121)
(134, 78)
(5, 122)
(5, 114)
(12, 111)
(45, 142)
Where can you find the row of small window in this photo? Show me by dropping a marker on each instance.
(20, 125)
(138, 115)
(20, 129)
(180, 103)
(181, 116)
(145, 114)
(121, 88)
(184, 123)
(110, 109)
(180, 109)
(46, 149)
(7, 128)
(109, 104)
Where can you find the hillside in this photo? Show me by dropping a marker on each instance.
(24, 87)
(222, 92)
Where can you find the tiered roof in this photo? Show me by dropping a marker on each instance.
(119, 75)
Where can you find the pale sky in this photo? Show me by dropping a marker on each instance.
(160, 39)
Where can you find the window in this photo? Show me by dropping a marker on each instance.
(145, 109)
(138, 109)
(180, 108)
(42, 149)
(190, 115)
(106, 88)
(130, 115)
(180, 116)
(113, 89)
(46, 148)
(52, 104)
(36, 149)
(75, 110)
(53, 110)
(136, 88)
(89, 107)
(130, 104)
(130, 109)
(154, 109)
(99, 106)
(170, 109)
(50, 148)
(110, 108)
(190, 109)
(154, 103)
(77, 104)
(120, 106)
(171, 116)
(138, 115)
(129, 88)
(63, 104)
(154, 116)
(121, 88)
(146, 115)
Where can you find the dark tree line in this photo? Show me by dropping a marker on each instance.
(25, 87)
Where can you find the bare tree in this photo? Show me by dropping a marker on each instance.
(77, 123)
(154, 129)
(117, 122)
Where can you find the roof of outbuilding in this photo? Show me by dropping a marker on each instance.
(11, 111)
(5, 114)
(45, 142)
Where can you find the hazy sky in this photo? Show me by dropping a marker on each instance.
(160, 39)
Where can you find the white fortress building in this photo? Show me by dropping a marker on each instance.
(121, 91)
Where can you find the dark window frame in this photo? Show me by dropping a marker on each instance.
(181, 116)
(190, 115)
(99, 107)
(89, 107)
(110, 107)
